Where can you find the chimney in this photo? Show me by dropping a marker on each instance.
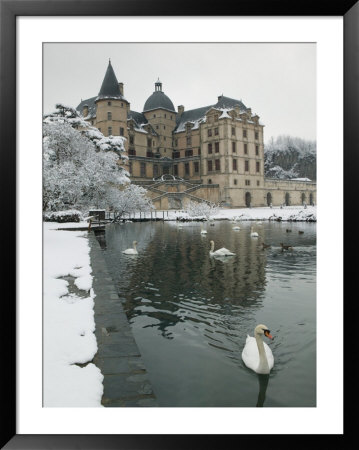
(180, 109)
(120, 86)
(85, 110)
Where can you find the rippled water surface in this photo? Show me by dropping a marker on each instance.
(190, 313)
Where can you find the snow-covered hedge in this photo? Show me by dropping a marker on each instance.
(63, 216)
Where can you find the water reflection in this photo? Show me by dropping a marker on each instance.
(190, 313)
(263, 384)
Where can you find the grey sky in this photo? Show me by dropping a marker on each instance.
(278, 81)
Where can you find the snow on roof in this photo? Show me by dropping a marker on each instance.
(300, 179)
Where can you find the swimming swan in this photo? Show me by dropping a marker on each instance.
(253, 233)
(131, 251)
(256, 354)
(221, 252)
(203, 231)
(236, 228)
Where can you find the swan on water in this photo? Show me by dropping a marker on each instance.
(236, 228)
(253, 233)
(131, 251)
(256, 354)
(220, 252)
(203, 231)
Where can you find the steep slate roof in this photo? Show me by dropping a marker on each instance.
(194, 115)
(158, 100)
(109, 87)
(139, 118)
(90, 102)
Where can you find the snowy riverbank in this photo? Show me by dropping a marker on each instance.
(69, 341)
(287, 213)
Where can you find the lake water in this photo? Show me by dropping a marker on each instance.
(190, 313)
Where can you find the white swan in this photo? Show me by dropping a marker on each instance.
(203, 231)
(220, 252)
(236, 228)
(256, 354)
(131, 251)
(254, 233)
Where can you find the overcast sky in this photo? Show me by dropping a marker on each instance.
(278, 81)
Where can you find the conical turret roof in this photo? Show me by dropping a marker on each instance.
(110, 87)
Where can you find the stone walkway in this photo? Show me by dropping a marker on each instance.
(126, 381)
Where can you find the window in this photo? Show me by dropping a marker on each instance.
(109, 116)
(164, 127)
(175, 169)
(246, 149)
(199, 152)
(209, 131)
(149, 154)
(209, 181)
(121, 105)
(109, 131)
(216, 147)
(256, 135)
(132, 139)
(189, 152)
(165, 115)
(121, 131)
(247, 182)
(196, 167)
(154, 115)
(246, 166)
(235, 182)
(143, 169)
(258, 166)
(108, 103)
(215, 117)
(164, 138)
(257, 150)
(149, 142)
(188, 140)
(258, 183)
(209, 166)
(186, 168)
(132, 152)
(216, 131)
(209, 149)
(153, 143)
(234, 164)
(176, 142)
(176, 155)
(233, 147)
(156, 127)
(217, 163)
(233, 131)
(155, 170)
(171, 117)
(244, 133)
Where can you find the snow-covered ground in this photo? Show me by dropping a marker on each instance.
(295, 213)
(69, 324)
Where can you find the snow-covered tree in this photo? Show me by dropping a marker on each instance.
(131, 199)
(201, 209)
(289, 157)
(80, 165)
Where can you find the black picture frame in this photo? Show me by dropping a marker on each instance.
(9, 10)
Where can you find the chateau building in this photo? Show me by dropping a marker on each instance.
(213, 153)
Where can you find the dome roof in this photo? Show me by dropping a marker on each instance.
(158, 100)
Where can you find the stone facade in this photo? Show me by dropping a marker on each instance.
(213, 153)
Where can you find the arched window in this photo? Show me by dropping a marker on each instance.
(287, 199)
(248, 199)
